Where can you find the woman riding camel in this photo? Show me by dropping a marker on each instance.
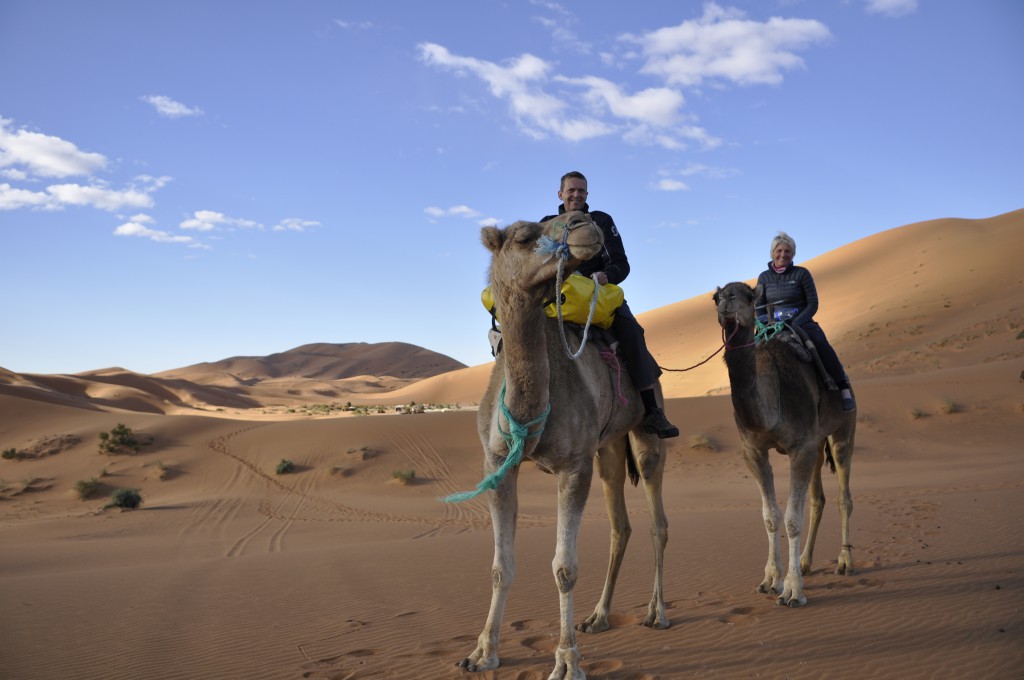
(790, 292)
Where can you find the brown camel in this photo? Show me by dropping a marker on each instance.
(779, 402)
(557, 412)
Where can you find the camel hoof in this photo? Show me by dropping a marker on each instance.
(471, 667)
(656, 623)
(593, 625)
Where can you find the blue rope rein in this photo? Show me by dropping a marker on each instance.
(515, 440)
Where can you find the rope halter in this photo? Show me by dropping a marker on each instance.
(548, 246)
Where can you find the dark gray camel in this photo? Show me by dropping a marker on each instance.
(564, 412)
(780, 403)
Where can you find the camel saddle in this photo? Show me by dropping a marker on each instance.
(794, 338)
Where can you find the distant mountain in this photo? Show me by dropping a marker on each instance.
(324, 361)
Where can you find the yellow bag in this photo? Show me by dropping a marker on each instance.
(577, 290)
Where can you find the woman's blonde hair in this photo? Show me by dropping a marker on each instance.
(783, 237)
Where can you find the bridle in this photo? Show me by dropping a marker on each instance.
(550, 247)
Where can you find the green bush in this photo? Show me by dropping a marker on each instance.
(285, 466)
(404, 476)
(125, 498)
(87, 487)
(120, 437)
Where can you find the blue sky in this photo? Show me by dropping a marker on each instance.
(184, 182)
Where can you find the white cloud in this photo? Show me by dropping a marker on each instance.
(723, 45)
(99, 196)
(16, 175)
(708, 171)
(659, 106)
(136, 228)
(12, 198)
(295, 224)
(668, 184)
(44, 155)
(892, 8)
(519, 84)
(208, 220)
(169, 108)
(463, 211)
(358, 25)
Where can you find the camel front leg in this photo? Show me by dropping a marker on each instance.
(573, 488)
(801, 466)
(760, 467)
(612, 469)
(651, 461)
(504, 504)
(817, 492)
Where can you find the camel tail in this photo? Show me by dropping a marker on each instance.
(828, 455)
(631, 467)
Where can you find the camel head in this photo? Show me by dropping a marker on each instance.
(735, 305)
(525, 255)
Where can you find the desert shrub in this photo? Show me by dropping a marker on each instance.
(917, 413)
(87, 487)
(125, 498)
(702, 442)
(120, 437)
(285, 466)
(404, 476)
(14, 454)
(948, 407)
(1020, 336)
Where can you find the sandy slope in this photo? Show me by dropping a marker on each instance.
(338, 571)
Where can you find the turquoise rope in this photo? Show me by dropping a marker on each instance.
(515, 440)
(766, 332)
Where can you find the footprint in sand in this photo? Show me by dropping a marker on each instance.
(622, 620)
(541, 643)
(739, 616)
(605, 666)
(524, 624)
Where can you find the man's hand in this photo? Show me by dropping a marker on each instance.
(601, 278)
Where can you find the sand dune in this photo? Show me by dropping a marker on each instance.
(339, 570)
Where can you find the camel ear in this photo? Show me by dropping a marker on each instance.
(492, 238)
(714, 298)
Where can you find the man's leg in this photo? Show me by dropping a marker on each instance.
(643, 369)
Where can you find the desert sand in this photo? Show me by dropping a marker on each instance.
(339, 570)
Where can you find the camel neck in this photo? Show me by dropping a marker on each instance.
(527, 371)
(741, 362)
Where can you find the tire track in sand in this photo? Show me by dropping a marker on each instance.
(299, 497)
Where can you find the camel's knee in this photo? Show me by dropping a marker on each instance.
(794, 525)
(659, 534)
(620, 536)
(565, 577)
(647, 462)
(502, 577)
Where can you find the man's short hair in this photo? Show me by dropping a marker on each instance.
(572, 174)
